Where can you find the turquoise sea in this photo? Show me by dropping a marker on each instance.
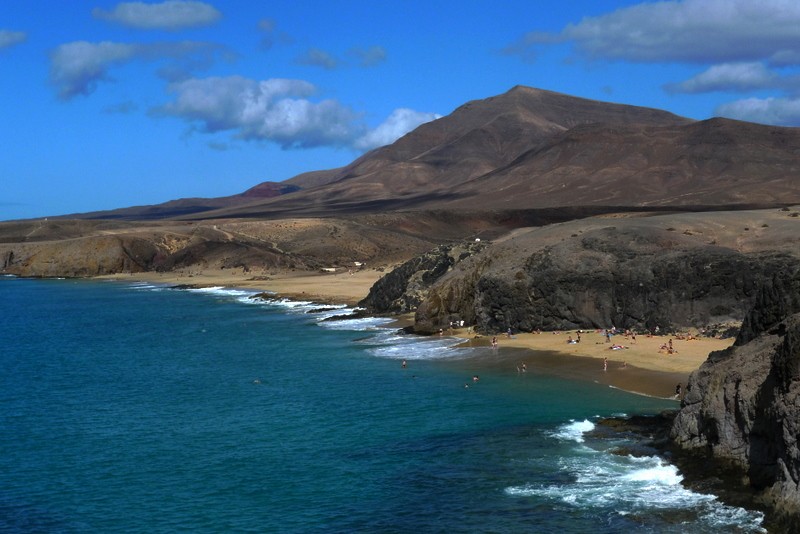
(129, 407)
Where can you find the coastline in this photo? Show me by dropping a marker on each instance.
(641, 367)
(340, 287)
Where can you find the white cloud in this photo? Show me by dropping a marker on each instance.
(76, 68)
(364, 57)
(369, 57)
(280, 111)
(10, 38)
(776, 111)
(267, 29)
(276, 110)
(729, 77)
(168, 15)
(745, 45)
(318, 58)
(399, 123)
(270, 34)
(693, 31)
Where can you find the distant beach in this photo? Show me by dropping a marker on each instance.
(640, 366)
(342, 287)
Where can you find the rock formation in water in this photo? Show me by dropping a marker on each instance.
(743, 404)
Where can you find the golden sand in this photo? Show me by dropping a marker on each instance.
(643, 365)
(340, 287)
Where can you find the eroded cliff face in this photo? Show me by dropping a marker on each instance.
(113, 254)
(628, 278)
(403, 289)
(743, 404)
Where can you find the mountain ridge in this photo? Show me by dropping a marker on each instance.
(531, 148)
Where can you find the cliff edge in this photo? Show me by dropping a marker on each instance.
(743, 405)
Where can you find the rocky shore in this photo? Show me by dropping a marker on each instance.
(743, 405)
(736, 432)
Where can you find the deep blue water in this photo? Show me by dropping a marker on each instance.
(128, 407)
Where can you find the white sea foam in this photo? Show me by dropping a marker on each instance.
(145, 286)
(331, 310)
(286, 304)
(630, 485)
(573, 431)
(359, 324)
(223, 291)
(417, 348)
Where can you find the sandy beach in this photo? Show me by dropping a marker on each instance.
(341, 287)
(641, 365)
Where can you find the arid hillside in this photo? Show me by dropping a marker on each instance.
(532, 149)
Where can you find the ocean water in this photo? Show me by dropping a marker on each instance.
(129, 407)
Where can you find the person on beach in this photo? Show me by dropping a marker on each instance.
(678, 391)
(494, 342)
(605, 364)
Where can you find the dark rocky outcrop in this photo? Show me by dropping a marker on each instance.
(743, 404)
(402, 290)
(628, 277)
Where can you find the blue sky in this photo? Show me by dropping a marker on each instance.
(111, 104)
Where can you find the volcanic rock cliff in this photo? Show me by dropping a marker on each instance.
(669, 271)
(403, 289)
(743, 404)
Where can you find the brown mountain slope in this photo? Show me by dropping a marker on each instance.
(530, 148)
(429, 166)
(176, 209)
(718, 162)
(533, 149)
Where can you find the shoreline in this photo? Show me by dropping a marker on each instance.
(340, 287)
(630, 378)
(640, 367)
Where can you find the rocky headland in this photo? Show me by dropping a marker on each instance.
(646, 273)
(743, 405)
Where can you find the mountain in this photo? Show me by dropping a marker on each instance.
(533, 149)
(191, 206)
(530, 149)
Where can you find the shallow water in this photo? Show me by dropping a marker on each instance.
(132, 407)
